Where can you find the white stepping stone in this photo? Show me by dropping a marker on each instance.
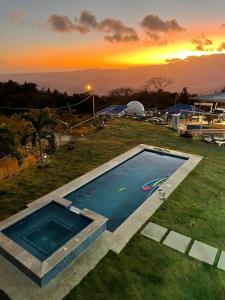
(154, 231)
(221, 262)
(177, 241)
(203, 252)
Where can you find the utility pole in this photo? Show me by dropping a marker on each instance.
(93, 104)
(91, 90)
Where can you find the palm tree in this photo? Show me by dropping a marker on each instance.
(8, 144)
(38, 133)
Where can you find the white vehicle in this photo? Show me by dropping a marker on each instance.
(220, 111)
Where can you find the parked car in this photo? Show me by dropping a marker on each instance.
(220, 111)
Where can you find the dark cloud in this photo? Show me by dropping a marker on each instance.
(113, 30)
(64, 24)
(60, 23)
(116, 31)
(153, 23)
(221, 47)
(202, 43)
(155, 39)
(222, 26)
(88, 20)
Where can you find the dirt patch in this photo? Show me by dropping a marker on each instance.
(10, 167)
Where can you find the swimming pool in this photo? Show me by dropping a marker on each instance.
(52, 241)
(117, 193)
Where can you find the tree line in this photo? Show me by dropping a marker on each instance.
(152, 95)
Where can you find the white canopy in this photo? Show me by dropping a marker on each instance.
(135, 108)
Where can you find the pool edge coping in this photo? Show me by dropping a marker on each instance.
(142, 214)
(135, 221)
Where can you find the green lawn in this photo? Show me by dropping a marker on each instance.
(144, 269)
(148, 270)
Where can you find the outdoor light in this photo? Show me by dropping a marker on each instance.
(90, 89)
(162, 194)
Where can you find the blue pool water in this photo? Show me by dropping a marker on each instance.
(46, 230)
(117, 193)
(193, 127)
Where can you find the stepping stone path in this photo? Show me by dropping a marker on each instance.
(154, 231)
(177, 241)
(221, 263)
(203, 252)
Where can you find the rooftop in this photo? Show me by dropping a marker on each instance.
(219, 97)
(112, 110)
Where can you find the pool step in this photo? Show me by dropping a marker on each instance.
(74, 209)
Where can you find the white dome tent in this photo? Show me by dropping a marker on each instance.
(135, 108)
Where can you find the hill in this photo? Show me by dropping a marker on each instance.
(200, 74)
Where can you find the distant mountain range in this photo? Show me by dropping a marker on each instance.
(204, 74)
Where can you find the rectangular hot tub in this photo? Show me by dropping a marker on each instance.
(49, 237)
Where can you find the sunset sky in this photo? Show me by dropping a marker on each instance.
(56, 35)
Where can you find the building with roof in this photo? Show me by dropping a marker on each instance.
(210, 101)
(113, 111)
(183, 109)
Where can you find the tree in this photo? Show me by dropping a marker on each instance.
(39, 132)
(157, 84)
(8, 144)
(120, 95)
(183, 97)
(156, 87)
(121, 92)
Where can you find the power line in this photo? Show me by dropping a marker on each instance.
(82, 122)
(51, 108)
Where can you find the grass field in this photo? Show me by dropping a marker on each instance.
(144, 269)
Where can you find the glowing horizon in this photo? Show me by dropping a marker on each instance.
(162, 55)
(54, 39)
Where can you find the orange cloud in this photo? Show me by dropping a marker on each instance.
(221, 47)
(202, 43)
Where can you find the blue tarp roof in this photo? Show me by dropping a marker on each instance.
(176, 109)
(112, 110)
(219, 97)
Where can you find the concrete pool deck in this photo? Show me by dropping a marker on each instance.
(59, 287)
